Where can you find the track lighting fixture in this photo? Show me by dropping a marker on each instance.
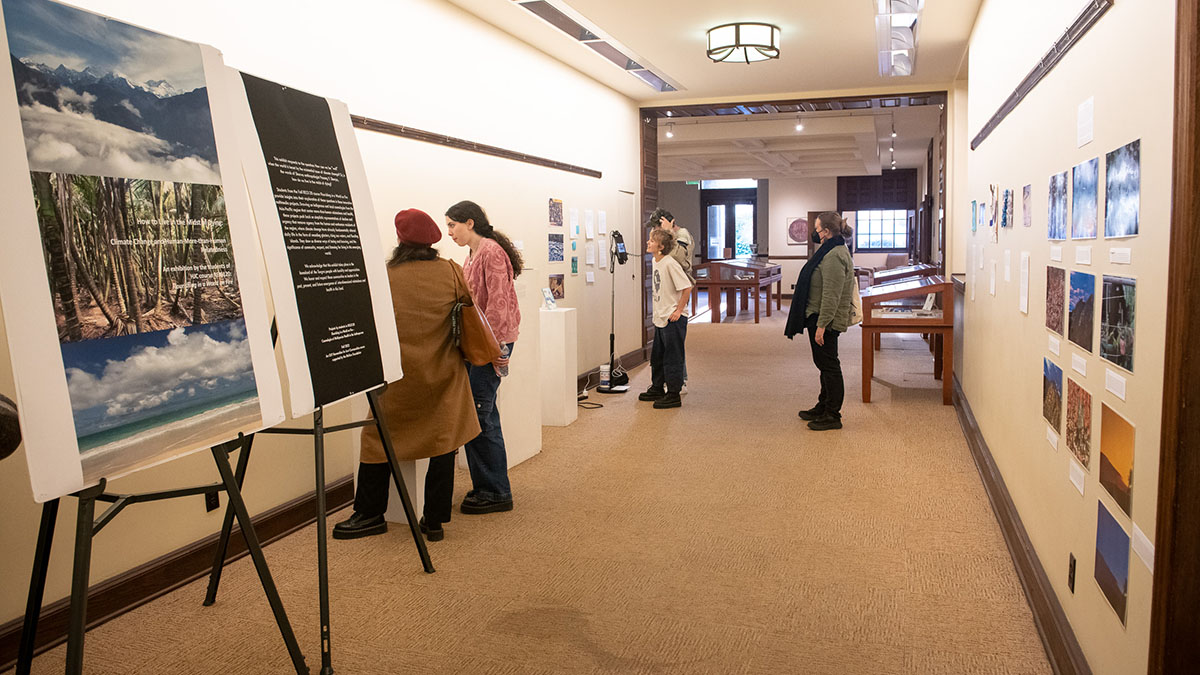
(670, 130)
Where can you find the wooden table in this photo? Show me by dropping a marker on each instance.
(732, 276)
(938, 324)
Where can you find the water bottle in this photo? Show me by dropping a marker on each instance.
(505, 350)
(604, 375)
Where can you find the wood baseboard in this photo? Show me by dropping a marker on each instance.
(133, 588)
(1058, 638)
(591, 378)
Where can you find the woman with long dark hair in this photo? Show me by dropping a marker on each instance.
(821, 303)
(430, 412)
(490, 269)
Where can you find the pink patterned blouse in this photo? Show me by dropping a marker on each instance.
(490, 277)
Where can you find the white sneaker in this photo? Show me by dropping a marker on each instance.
(683, 389)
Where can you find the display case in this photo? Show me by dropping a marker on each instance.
(734, 276)
(923, 305)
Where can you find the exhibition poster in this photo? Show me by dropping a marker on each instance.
(329, 284)
(136, 317)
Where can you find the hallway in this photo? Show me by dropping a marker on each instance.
(723, 537)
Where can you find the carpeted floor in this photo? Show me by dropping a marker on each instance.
(723, 537)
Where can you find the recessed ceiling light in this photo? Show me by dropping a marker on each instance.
(671, 130)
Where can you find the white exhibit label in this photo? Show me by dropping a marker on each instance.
(1079, 364)
(974, 284)
(591, 277)
(1052, 437)
(1120, 256)
(1086, 122)
(1143, 547)
(1078, 476)
(1114, 383)
(1056, 253)
(1083, 255)
(992, 279)
(1024, 282)
(981, 256)
(1054, 345)
(1007, 265)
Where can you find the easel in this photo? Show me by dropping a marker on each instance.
(318, 433)
(87, 528)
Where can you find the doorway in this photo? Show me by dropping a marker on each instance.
(729, 229)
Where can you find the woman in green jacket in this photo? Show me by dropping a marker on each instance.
(821, 303)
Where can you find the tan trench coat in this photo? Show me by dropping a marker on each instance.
(430, 411)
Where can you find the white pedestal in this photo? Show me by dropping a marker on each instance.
(560, 360)
(414, 481)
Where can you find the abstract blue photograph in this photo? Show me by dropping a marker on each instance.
(1081, 309)
(1112, 560)
(1122, 191)
(1056, 217)
(556, 248)
(1084, 201)
(974, 217)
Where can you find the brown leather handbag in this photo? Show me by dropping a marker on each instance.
(470, 329)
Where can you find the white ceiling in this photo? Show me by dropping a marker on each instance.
(826, 45)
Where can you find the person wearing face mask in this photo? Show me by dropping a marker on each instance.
(821, 303)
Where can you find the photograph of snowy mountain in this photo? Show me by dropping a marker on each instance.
(103, 98)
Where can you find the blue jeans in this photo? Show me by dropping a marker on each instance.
(486, 457)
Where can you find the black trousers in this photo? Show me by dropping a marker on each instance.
(666, 356)
(374, 481)
(833, 388)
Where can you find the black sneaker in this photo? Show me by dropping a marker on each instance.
(433, 532)
(669, 400)
(651, 394)
(825, 423)
(474, 506)
(814, 413)
(359, 525)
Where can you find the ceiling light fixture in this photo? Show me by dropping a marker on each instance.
(670, 130)
(743, 42)
(799, 124)
(896, 35)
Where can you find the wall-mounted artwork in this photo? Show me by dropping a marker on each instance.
(1079, 423)
(982, 213)
(1056, 298)
(1084, 202)
(558, 287)
(1122, 190)
(1081, 309)
(574, 265)
(1056, 214)
(1116, 457)
(974, 217)
(1027, 205)
(1006, 208)
(1052, 393)
(1112, 560)
(797, 231)
(556, 213)
(556, 248)
(1118, 305)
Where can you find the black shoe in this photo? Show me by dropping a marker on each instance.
(432, 532)
(814, 413)
(651, 394)
(359, 525)
(825, 423)
(669, 400)
(474, 506)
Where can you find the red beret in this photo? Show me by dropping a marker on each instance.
(414, 226)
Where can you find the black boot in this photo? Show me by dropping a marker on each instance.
(669, 400)
(825, 423)
(813, 413)
(359, 525)
(432, 531)
(370, 501)
(651, 394)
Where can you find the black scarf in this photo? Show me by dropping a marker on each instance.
(795, 322)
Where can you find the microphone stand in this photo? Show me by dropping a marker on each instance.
(612, 331)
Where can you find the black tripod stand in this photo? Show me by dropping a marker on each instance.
(617, 255)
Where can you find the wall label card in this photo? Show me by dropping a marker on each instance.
(1077, 476)
(1083, 255)
(1114, 383)
(1052, 437)
(1143, 547)
(1007, 265)
(992, 279)
(1120, 256)
(1079, 364)
(1056, 253)
(1054, 345)
(1023, 292)
(1086, 122)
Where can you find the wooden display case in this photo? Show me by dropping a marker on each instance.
(742, 275)
(890, 308)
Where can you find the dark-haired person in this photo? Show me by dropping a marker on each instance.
(821, 303)
(490, 269)
(430, 412)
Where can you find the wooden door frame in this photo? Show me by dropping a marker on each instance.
(1176, 594)
(739, 195)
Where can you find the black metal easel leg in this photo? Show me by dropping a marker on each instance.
(386, 439)
(37, 587)
(214, 577)
(322, 543)
(260, 562)
(79, 576)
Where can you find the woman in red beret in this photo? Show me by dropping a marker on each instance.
(430, 412)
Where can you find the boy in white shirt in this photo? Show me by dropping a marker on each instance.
(671, 296)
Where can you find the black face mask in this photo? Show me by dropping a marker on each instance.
(816, 238)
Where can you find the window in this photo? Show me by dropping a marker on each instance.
(728, 229)
(881, 230)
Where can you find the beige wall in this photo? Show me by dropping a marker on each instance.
(1126, 63)
(420, 63)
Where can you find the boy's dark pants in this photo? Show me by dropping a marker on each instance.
(666, 356)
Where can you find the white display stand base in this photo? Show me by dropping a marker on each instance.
(414, 481)
(560, 359)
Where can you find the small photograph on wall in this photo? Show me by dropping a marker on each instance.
(1112, 560)
(1082, 309)
(556, 213)
(974, 217)
(1116, 457)
(1052, 394)
(1079, 423)
(1122, 190)
(1056, 298)
(556, 248)
(982, 214)
(1005, 208)
(1027, 205)
(1084, 201)
(574, 265)
(1056, 213)
(797, 231)
(558, 288)
(1117, 309)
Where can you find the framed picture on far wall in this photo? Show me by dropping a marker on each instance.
(797, 231)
